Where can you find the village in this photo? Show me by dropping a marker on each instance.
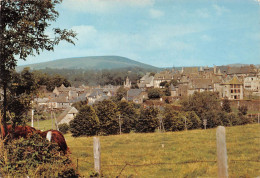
(237, 84)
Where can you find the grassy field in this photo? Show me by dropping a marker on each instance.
(171, 154)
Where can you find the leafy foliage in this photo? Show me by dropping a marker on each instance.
(172, 120)
(193, 121)
(129, 116)
(202, 103)
(243, 110)
(80, 104)
(226, 105)
(85, 123)
(120, 93)
(107, 113)
(64, 128)
(148, 120)
(34, 157)
(154, 93)
(23, 32)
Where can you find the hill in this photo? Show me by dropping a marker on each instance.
(92, 62)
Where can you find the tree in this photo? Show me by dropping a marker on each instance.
(174, 82)
(162, 84)
(193, 121)
(154, 93)
(148, 120)
(172, 120)
(167, 90)
(85, 123)
(80, 104)
(226, 105)
(120, 93)
(23, 32)
(202, 102)
(129, 116)
(107, 113)
(242, 110)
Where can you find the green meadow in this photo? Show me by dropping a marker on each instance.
(171, 154)
(189, 153)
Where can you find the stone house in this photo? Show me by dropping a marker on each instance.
(146, 81)
(67, 115)
(232, 89)
(200, 85)
(136, 95)
(162, 77)
(252, 83)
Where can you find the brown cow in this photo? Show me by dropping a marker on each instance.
(57, 137)
(26, 131)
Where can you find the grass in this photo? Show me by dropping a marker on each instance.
(171, 154)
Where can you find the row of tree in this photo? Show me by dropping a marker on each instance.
(106, 117)
(78, 77)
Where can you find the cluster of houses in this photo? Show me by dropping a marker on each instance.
(235, 83)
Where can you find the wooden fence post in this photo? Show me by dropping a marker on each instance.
(97, 158)
(222, 152)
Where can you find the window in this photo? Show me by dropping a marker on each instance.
(231, 91)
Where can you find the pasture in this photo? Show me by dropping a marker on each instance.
(172, 154)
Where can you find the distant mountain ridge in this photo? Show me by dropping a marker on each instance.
(91, 62)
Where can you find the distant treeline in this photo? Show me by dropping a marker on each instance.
(78, 77)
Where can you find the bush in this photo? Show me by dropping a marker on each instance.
(148, 120)
(64, 128)
(154, 93)
(129, 116)
(242, 110)
(234, 119)
(85, 123)
(226, 105)
(107, 113)
(172, 120)
(193, 121)
(212, 119)
(34, 157)
(245, 120)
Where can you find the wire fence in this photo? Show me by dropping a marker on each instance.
(121, 167)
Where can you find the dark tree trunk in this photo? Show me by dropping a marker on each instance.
(3, 120)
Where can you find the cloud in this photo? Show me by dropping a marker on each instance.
(203, 13)
(104, 6)
(220, 9)
(155, 13)
(206, 38)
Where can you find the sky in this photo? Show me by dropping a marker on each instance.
(162, 33)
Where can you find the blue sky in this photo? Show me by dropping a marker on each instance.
(162, 33)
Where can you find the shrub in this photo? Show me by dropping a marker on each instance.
(85, 123)
(148, 121)
(193, 121)
(107, 113)
(212, 119)
(154, 93)
(34, 157)
(234, 119)
(242, 110)
(244, 119)
(129, 116)
(226, 105)
(172, 120)
(64, 128)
